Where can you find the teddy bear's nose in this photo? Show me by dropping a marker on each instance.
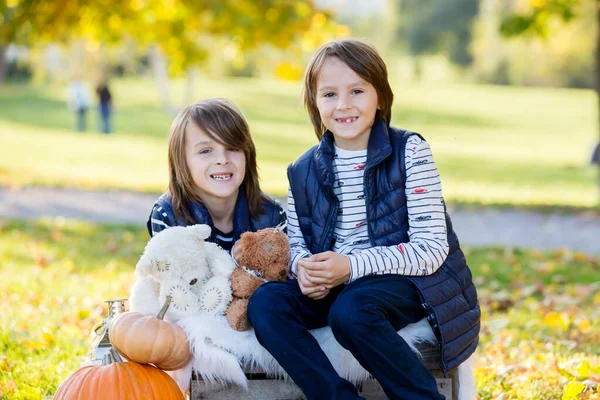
(283, 274)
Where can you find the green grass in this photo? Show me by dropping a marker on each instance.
(493, 145)
(541, 318)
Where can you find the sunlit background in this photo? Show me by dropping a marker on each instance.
(502, 90)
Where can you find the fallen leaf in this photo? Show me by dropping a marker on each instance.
(572, 389)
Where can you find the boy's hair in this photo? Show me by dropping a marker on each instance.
(223, 122)
(361, 58)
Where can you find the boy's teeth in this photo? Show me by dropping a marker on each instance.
(347, 120)
(221, 177)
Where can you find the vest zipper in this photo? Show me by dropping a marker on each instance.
(433, 322)
(330, 222)
(365, 186)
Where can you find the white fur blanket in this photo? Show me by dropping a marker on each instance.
(221, 353)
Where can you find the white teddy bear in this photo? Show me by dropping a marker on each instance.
(179, 262)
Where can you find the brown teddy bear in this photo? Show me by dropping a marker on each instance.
(265, 256)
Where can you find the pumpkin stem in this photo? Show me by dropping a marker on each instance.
(111, 357)
(163, 310)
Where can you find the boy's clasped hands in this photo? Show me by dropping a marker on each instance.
(319, 273)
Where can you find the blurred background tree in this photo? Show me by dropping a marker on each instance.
(172, 37)
(440, 55)
(437, 26)
(539, 18)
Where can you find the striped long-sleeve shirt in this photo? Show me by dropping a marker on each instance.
(427, 247)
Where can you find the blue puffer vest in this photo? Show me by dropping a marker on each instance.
(448, 295)
(242, 222)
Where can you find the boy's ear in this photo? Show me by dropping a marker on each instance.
(200, 230)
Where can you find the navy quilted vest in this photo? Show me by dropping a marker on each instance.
(448, 295)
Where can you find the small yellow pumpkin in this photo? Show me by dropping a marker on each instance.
(117, 380)
(150, 340)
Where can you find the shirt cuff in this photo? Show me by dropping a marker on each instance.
(293, 270)
(355, 264)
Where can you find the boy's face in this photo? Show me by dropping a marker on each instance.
(217, 170)
(347, 104)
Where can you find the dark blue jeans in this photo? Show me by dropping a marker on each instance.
(105, 112)
(364, 317)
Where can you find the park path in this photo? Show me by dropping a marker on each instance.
(475, 226)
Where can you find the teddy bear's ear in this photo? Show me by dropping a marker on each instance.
(200, 230)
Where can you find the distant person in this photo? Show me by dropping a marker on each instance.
(372, 247)
(79, 102)
(213, 177)
(105, 106)
(596, 155)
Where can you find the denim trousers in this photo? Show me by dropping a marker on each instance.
(105, 112)
(80, 123)
(364, 317)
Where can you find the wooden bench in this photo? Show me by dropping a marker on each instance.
(262, 387)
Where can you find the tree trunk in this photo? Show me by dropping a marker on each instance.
(2, 63)
(596, 155)
(417, 72)
(189, 91)
(161, 76)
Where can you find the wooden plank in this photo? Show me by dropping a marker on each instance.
(286, 390)
(262, 387)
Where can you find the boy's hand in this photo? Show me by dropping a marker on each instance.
(236, 250)
(327, 269)
(315, 292)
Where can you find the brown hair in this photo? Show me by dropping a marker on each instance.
(223, 122)
(361, 58)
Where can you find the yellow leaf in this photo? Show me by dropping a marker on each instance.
(49, 339)
(584, 325)
(302, 9)
(572, 389)
(114, 22)
(342, 31)
(83, 314)
(319, 20)
(584, 369)
(288, 71)
(538, 3)
(272, 14)
(556, 320)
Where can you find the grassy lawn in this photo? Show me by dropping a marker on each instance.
(493, 145)
(541, 318)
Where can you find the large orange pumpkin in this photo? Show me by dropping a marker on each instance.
(150, 340)
(116, 380)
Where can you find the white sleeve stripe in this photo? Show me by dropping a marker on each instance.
(159, 222)
(298, 248)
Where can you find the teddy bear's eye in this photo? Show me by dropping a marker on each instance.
(193, 281)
